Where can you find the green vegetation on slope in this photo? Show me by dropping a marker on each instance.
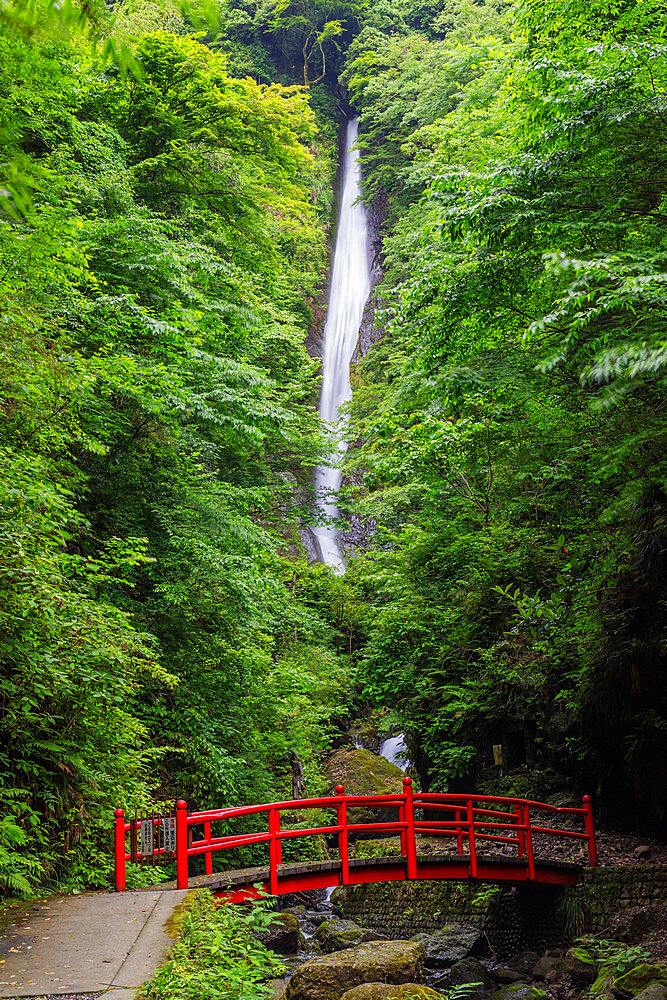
(512, 418)
(162, 243)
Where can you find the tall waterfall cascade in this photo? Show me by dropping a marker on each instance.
(350, 288)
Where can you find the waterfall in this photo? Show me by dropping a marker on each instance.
(395, 750)
(350, 287)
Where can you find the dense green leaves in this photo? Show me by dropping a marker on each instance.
(163, 236)
(513, 423)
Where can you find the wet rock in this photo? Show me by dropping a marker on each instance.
(383, 991)
(335, 934)
(328, 977)
(282, 935)
(315, 917)
(441, 980)
(524, 963)
(471, 970)
(547, 965)
(449, 945)
(581, 968)
(640, 978)
(656, 991)
(517, 991)
(506, 975)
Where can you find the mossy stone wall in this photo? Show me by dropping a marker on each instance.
(529, 915)
(605, 892)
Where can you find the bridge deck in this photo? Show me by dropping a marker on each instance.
(323, 874)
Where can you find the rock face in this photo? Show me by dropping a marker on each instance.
(335, 934)
(448, 945)
(282, 935)
(327, 978)
(504, 975)
(383, 991)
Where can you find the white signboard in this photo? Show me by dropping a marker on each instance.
(169, 833)
(146, 838)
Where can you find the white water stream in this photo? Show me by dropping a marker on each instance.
(395, 750)
(350, 287)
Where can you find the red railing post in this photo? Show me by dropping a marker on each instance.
(343, 848)
(273, 852)
(470, 817)
(208, 857)
(520, 835)
(403, 834)
(181, 844)
(119, 849)
(411, 842)
(279, 843)
(459, 832)
(528, 834)
(590, 830)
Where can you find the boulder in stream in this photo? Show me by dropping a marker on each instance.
(471, 970)
(335, 934)
(328, 977)
(282, 934)
(449, 945)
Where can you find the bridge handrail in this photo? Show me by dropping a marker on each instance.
(471, 823)
(423, 799)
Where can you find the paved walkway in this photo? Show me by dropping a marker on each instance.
(99, 943)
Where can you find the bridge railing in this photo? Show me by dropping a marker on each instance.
(473, 821)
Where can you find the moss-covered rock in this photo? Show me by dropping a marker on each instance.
(638, 979)
(328, 977)
(580, 967)
(335, 934)
(384, 991)
(363, 772)
(656, 991)
(518, 991)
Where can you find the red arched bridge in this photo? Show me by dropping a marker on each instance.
(517, 830)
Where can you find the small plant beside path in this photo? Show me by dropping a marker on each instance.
(217, 954)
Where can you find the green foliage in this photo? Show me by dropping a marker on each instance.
(163, 239)
(510, 423)
(216, 954)
(614, 957)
